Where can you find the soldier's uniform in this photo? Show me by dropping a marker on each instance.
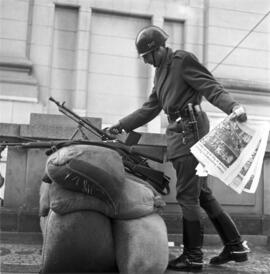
(181, 80)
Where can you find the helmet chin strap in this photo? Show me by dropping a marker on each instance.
(154, 59)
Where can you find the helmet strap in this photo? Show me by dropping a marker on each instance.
(154, 59)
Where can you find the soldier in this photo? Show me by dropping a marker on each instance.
(180, 82)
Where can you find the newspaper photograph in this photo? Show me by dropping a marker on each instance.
(233, 152)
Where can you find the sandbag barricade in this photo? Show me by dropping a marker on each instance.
(115, 214)
(99, 173)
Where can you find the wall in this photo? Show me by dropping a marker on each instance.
(239, 31)
(229, 22)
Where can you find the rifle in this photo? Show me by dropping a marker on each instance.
(82, 122)
(134, 156)
(130, 146)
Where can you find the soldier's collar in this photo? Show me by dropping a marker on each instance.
(169, 56)
(167, 59)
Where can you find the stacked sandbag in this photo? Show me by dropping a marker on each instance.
(99, 173)
(78, 242)
(141, 245)
(44, 205)
(113, 214)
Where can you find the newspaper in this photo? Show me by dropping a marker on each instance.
(233, 152)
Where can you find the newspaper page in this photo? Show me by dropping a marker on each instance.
(253, 173)
(233, 152)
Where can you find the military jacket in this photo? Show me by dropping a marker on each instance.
(179, 80)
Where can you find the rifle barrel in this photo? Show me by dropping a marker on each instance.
(34, 144)
(81, 121)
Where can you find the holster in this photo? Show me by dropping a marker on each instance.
(193, 121)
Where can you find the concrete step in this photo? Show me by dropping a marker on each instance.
(214, 240)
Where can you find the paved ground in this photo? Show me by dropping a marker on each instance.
(26, 258)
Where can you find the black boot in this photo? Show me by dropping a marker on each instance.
(234, 248)
(235, 252)
(191, 259)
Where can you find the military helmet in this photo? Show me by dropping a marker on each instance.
(149, 39)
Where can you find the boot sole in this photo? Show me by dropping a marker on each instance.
(237, 260)
(190, 269)
(187, 268)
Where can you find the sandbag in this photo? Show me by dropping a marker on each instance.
(44, 200)
(42, 223)
(82, 241)
(138, 201)
(103, 158)
(106, 187)
(141, 245)
(77, 242)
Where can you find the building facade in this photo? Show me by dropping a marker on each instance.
(82, 52)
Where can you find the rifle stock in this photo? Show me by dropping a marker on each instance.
(151, 152)
(132, 138)
(155, 177)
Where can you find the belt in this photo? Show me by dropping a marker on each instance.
(183, 113)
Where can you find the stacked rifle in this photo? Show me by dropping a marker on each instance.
(134, 156)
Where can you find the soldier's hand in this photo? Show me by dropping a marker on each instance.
(115, 129)
(239, 113)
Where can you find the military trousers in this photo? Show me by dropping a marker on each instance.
(193, 192)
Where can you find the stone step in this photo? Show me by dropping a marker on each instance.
(214, 239)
